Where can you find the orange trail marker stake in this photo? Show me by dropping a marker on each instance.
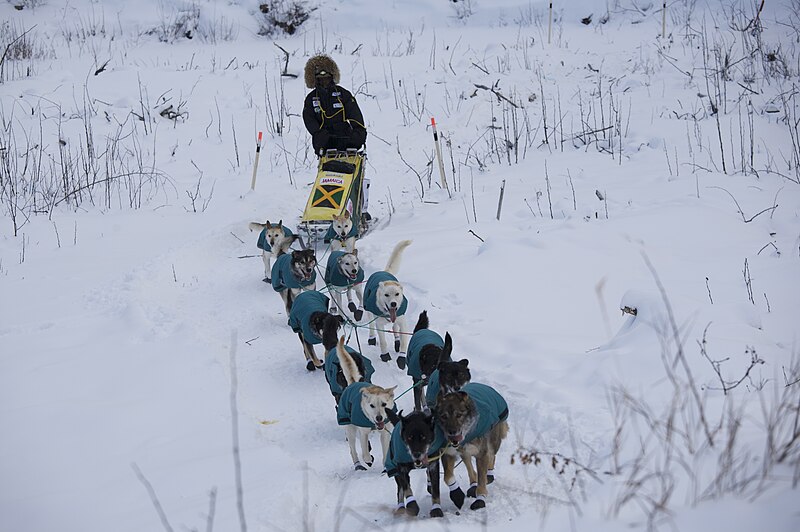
(438, 146)
(255, 165)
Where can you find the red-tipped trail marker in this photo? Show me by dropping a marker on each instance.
(438, 146)
(255, 165)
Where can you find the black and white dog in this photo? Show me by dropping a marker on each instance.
(449, 377)
(426, 351)
(293, 273)
(417, 442)
(309, 318)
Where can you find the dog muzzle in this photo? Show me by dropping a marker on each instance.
(421, 461)
(456, 439)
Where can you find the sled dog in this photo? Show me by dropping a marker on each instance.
(474, 422)
(342, 232)
(344, 274)
(449, 377)
(426, 350)
(417, 442)
(384, 299)
(362, 409)
(273, 240)
(293, 273)
(309, 318)
(333, 365)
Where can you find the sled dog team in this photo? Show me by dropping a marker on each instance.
(453, 418)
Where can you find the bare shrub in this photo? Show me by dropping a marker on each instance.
(275, 16)
(20, 49)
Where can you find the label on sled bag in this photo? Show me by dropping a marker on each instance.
(332, 179)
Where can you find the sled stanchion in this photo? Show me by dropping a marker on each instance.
(664, 19)
(438, 147)
(550, 23)
(255, 164)
(500, 201)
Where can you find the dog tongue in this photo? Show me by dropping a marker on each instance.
(393, 314)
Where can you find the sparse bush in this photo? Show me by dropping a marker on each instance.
(282, 15)
(19, 48)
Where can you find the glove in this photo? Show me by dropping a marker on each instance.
(319, 139)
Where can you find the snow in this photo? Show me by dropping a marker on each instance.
(117, 323)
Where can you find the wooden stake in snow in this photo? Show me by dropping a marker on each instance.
(500, 202)
(438, 147)
(550, 24)
(664, 20)
(255, 165)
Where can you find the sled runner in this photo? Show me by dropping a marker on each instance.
(340, 185)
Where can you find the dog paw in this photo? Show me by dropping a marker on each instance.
(267, 280)
(489, 479)
(358, 314)
(386, 357)
(457, 496)
(351, 306)
(412, 508)
(437, 512)
(372, 341)
(359, 467)
(478, 504)
(310, 366)
(401, 362)
(472, 491)
(397, 346)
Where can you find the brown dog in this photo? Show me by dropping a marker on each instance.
(474, 422)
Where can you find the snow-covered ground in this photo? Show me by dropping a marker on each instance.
(120, 309)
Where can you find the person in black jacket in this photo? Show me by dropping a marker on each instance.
(330, 112)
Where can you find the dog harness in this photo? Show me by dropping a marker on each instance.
(332, 235)
(283, 278)
(334, 275)
(419, 340)
(371, 294)
(398, 452)
(263, 243)
(491, 408)
(349, 411)
(300, 316)
(333, 367)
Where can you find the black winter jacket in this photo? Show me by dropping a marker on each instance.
(333, 118)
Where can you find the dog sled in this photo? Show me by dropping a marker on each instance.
(340, 186)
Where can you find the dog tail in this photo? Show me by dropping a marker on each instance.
(349, 367)
(422, 323)
(256, 226)
(394, 260)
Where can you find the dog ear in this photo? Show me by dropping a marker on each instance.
(448, 346)
(464, 362)
(266, 224)
(346, 215)
(354, 252)
(341, 320)
(395, 418)
(280, 223)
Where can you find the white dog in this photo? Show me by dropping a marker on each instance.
(362, 409)
(273, 240)
(342, 232)
(384, 299)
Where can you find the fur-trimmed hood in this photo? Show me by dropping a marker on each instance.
(318, 63)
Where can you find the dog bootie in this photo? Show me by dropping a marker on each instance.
(436, 511)
(490, 476)
(267, 280)
(473, 490)
(401, 362)
(478, 504)
(359, 467)
(358, 314)
(386, 357)
(310, 366)
(372, 341)
(412, 508)
(456, 494)
(397, 346)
